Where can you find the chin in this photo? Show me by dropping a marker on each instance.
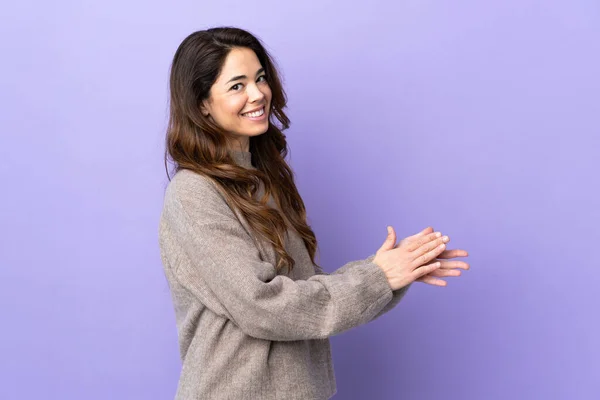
(257, 131)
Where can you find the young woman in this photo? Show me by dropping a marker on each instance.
(254, 312)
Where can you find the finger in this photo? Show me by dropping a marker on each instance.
(425, 269)
(417, 243)
(454, 265)
(429, 251)
(432, 281)
(408, 239)
(424, 232)
(445, 272)
(453, 253)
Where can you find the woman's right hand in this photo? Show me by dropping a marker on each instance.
(409, 261)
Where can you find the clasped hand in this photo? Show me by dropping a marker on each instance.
(422, 257)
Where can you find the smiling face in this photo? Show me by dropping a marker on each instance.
(240, 98)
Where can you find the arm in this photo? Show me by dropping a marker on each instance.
(217, 261)
(397, 295)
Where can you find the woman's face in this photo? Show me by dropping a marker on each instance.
(240, 99)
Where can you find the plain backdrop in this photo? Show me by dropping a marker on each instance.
(480, 119)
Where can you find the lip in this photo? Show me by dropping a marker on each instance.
(256, 109)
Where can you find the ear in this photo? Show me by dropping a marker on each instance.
(204, 108)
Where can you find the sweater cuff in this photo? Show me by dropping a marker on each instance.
(377, 283)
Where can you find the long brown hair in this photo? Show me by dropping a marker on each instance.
(196, 143)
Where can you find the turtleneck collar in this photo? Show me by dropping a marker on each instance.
(242, 158)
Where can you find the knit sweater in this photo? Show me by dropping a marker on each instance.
(245, 330)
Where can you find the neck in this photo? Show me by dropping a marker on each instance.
(242, 158)
(241, 144)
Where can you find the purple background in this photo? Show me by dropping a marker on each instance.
(481, 119)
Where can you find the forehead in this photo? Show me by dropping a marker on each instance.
(240, 61)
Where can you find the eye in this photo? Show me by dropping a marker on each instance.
(235, 87)
(263, 77)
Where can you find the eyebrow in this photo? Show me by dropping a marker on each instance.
(237, 78)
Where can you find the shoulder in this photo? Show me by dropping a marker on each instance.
(186, 182)
(192, 191)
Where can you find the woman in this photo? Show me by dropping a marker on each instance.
(254, 312)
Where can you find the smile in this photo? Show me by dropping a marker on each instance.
(255, 114)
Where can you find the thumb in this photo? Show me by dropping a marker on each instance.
(390, 240)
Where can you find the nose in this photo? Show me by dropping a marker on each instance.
(254, 93)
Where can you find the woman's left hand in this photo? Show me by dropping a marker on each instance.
(447, 269)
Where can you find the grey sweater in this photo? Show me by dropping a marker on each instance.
(246, 331)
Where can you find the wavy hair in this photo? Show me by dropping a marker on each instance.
(196, 143)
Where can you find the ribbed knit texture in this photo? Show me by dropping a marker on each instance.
(246, 331)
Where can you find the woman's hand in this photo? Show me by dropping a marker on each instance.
(411, 259)
(447, 268)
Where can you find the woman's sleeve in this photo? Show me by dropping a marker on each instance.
(397, 294)
(215, 259)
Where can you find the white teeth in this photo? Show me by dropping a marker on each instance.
(255, 113)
